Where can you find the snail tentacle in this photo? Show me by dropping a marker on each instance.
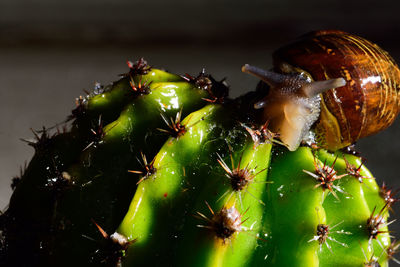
(318, 87)
(271, 78)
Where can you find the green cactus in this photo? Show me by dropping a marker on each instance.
(159, 169)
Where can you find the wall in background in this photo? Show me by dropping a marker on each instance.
(176, 21)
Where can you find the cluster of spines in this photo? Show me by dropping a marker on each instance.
(217, 90)
(227, 221)
(137, 68)
(224, 223)
(221, 222)
(58, 178)
(112, 249)
(375, 225)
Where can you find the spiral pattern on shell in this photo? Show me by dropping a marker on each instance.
(367, 104)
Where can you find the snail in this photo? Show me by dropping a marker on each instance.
(329, 87)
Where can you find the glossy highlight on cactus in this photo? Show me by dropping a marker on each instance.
(182, 175)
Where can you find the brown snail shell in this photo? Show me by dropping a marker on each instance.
(366, 104)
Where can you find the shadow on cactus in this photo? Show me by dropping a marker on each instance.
(161, 169)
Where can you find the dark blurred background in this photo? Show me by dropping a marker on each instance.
(51, 50)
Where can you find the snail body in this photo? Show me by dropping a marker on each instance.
(361, 103)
